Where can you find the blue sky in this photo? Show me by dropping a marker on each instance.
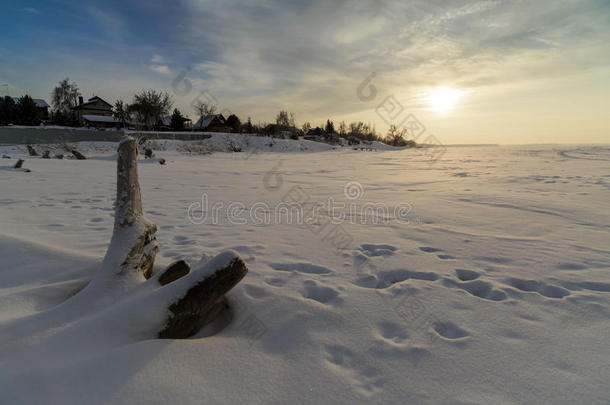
(528, 71)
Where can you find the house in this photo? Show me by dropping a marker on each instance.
(100, 121)
(166, 122)
(41, 106)
(96, 110)
(284, 131)
(212, 123)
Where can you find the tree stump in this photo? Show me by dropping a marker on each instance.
(78, 155)
(32, 151)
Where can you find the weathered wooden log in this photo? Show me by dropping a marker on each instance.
(32, 151)
(175, 271)
(197, 307)
(78, 155)
(19, 164)
(133, 236)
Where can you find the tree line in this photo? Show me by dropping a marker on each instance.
(149, 109)
(23, 112)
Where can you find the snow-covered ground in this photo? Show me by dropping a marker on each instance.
(479, 278)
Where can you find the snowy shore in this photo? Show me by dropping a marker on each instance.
(492, 288)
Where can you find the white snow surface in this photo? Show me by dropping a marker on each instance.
(494, 289)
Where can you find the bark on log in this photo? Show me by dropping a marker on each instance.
(174, 272)
(200, 304)
(19, 164)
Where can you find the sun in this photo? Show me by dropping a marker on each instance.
(443, 99)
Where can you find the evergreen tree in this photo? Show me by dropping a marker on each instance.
(249, 128)
(234, 122)
(7, 110)
(27, 112)
(330, 127)
(177, 122)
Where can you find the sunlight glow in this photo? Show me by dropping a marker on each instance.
(443, 98)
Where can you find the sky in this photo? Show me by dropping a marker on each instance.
(508, 72)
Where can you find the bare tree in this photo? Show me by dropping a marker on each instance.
(283, 119)
(150, 106)
(342, 128)
(65, 96)
(204, 108)
(121, 112)
(306, 127)
(397, 137)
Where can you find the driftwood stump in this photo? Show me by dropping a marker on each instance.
(78, 155)
(32, 151)
(131, 255)
(129, 299)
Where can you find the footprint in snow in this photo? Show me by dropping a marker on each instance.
(275, 281)
(320, 293)
(353, 368)
(478, 288)
(387, 278)
(306, 268)
(428, 249)
(371, 250)
(546, 290)
(392, 333)
(450, 331)
(466, 275)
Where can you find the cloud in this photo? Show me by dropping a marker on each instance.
(309, 57)
(156, 58)
(31, 10)
(162, 69)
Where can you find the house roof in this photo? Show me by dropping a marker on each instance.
(92, 100)
(167, 121)
(205, 122)
(100, 118)
(40, 103)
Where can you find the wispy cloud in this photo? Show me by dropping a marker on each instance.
(156, 58)
(309, 57)
(31, 10)
(162, 69)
